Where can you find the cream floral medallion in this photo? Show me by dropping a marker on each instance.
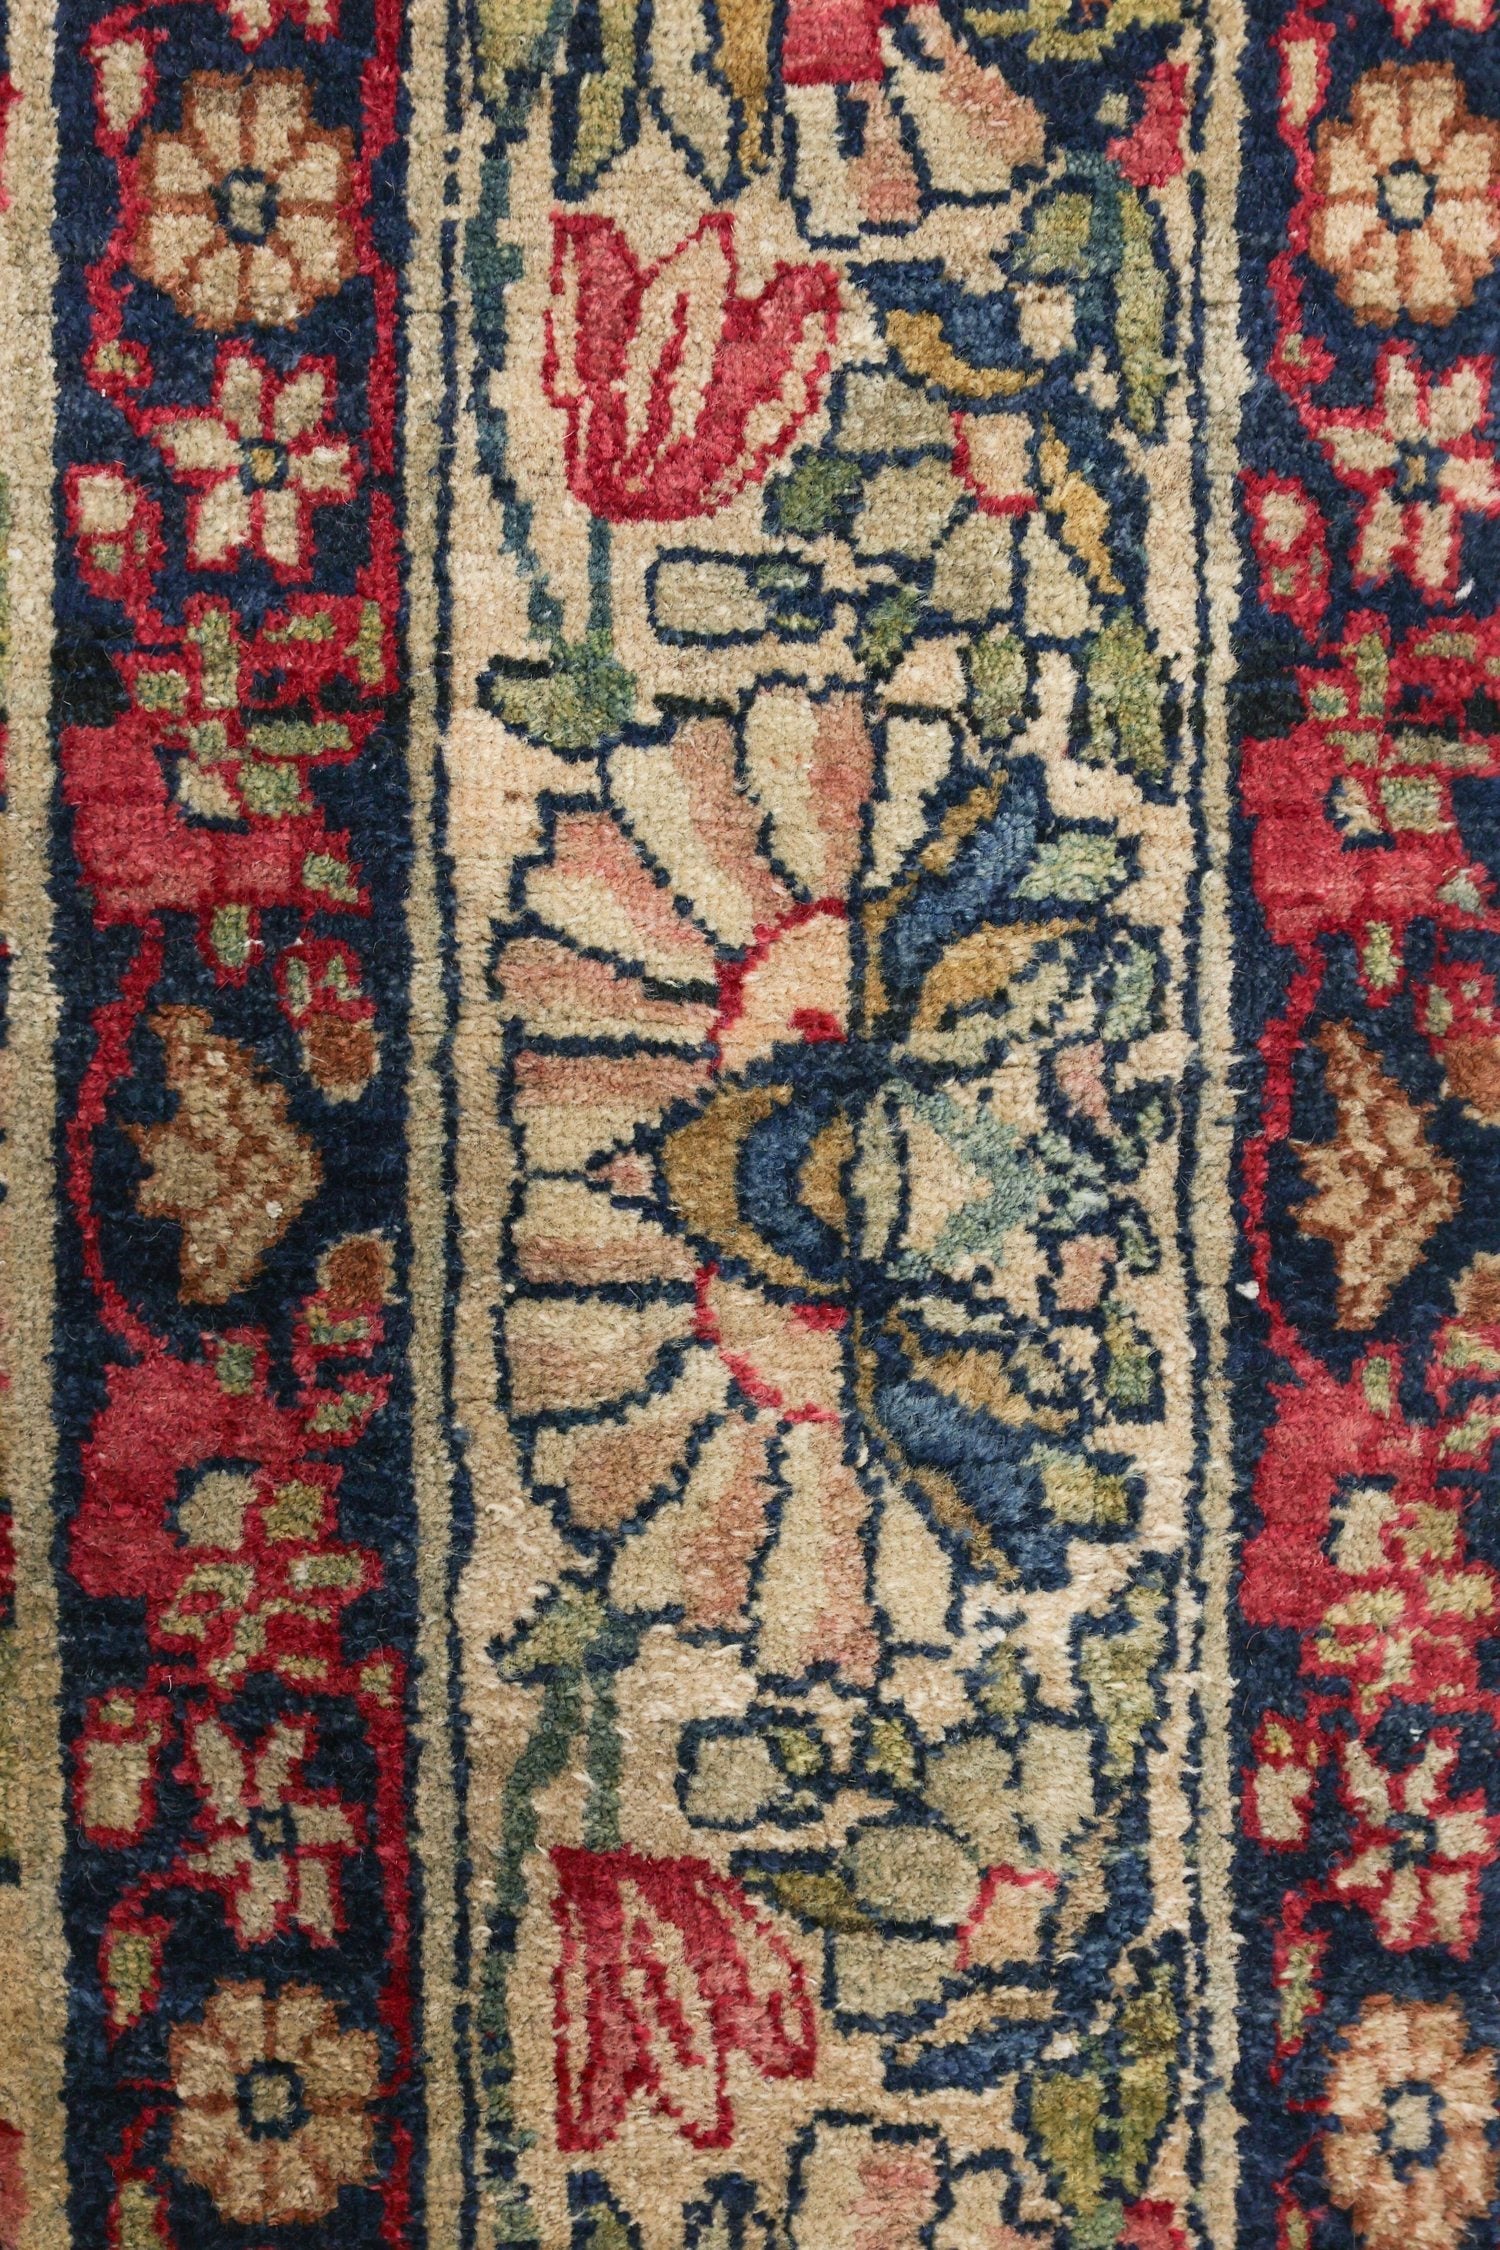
(839, 1135)
(1405, 216)
(273, 2095)
(245, 209)
(1412, 2160)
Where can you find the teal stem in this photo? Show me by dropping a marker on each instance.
(601, 604)
(601, 1820)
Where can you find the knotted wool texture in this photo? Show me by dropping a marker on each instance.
(751, 1125)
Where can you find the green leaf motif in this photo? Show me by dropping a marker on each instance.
(1058, 242)
(1080, 1493)
(823, 1899)
(1131, 1369)
(1052, 31)
(1099, 2126)
(559, 1638)
(887, 632)
(604, 2230)
(583, 698)
(1150, 2029)
(1132, 1009)
(817, 496)
(1125, 700)
(997, 684)
(514, 36)
(1120, 1670)
(1066, 2113)
(1141, 316)
(605, 96)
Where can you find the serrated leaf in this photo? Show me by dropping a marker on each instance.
(1125, 700)
(130, 1972)
(1140, 316)
(139, 2219)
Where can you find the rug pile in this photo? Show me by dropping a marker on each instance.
(752, 1199)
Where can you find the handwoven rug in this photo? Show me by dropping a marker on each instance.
(752, 1203)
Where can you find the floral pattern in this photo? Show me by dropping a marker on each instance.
(1405, 216)
(273, 1842)
(678, 391)
(813, 1187)
(259, 463)
(665, 1972)
(1411, 2160)
(244, 210)
(835, 369)
(273, 2097)
(839, 1020)
(1422, 462)
(1369, 1803)
(230, 536)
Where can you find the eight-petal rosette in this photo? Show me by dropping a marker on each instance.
(243, 213)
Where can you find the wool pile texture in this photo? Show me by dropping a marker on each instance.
(750, 1349)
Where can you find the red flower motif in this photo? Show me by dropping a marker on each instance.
(1152, 154)
(678, 391)
(833, 42)
(1289, 534)
(667, 1969)
(1152, 2226)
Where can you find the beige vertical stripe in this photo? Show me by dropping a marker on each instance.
(33, 1987)
(436, 1838)
(1225, 377)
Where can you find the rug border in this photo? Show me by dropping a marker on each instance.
(35, 2003)
(447, 2093)
(1225, 377)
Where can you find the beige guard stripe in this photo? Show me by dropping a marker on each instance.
(436, 1822)
(33, 1984)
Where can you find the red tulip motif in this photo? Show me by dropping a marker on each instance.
(666, 1970)
(678, 391)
